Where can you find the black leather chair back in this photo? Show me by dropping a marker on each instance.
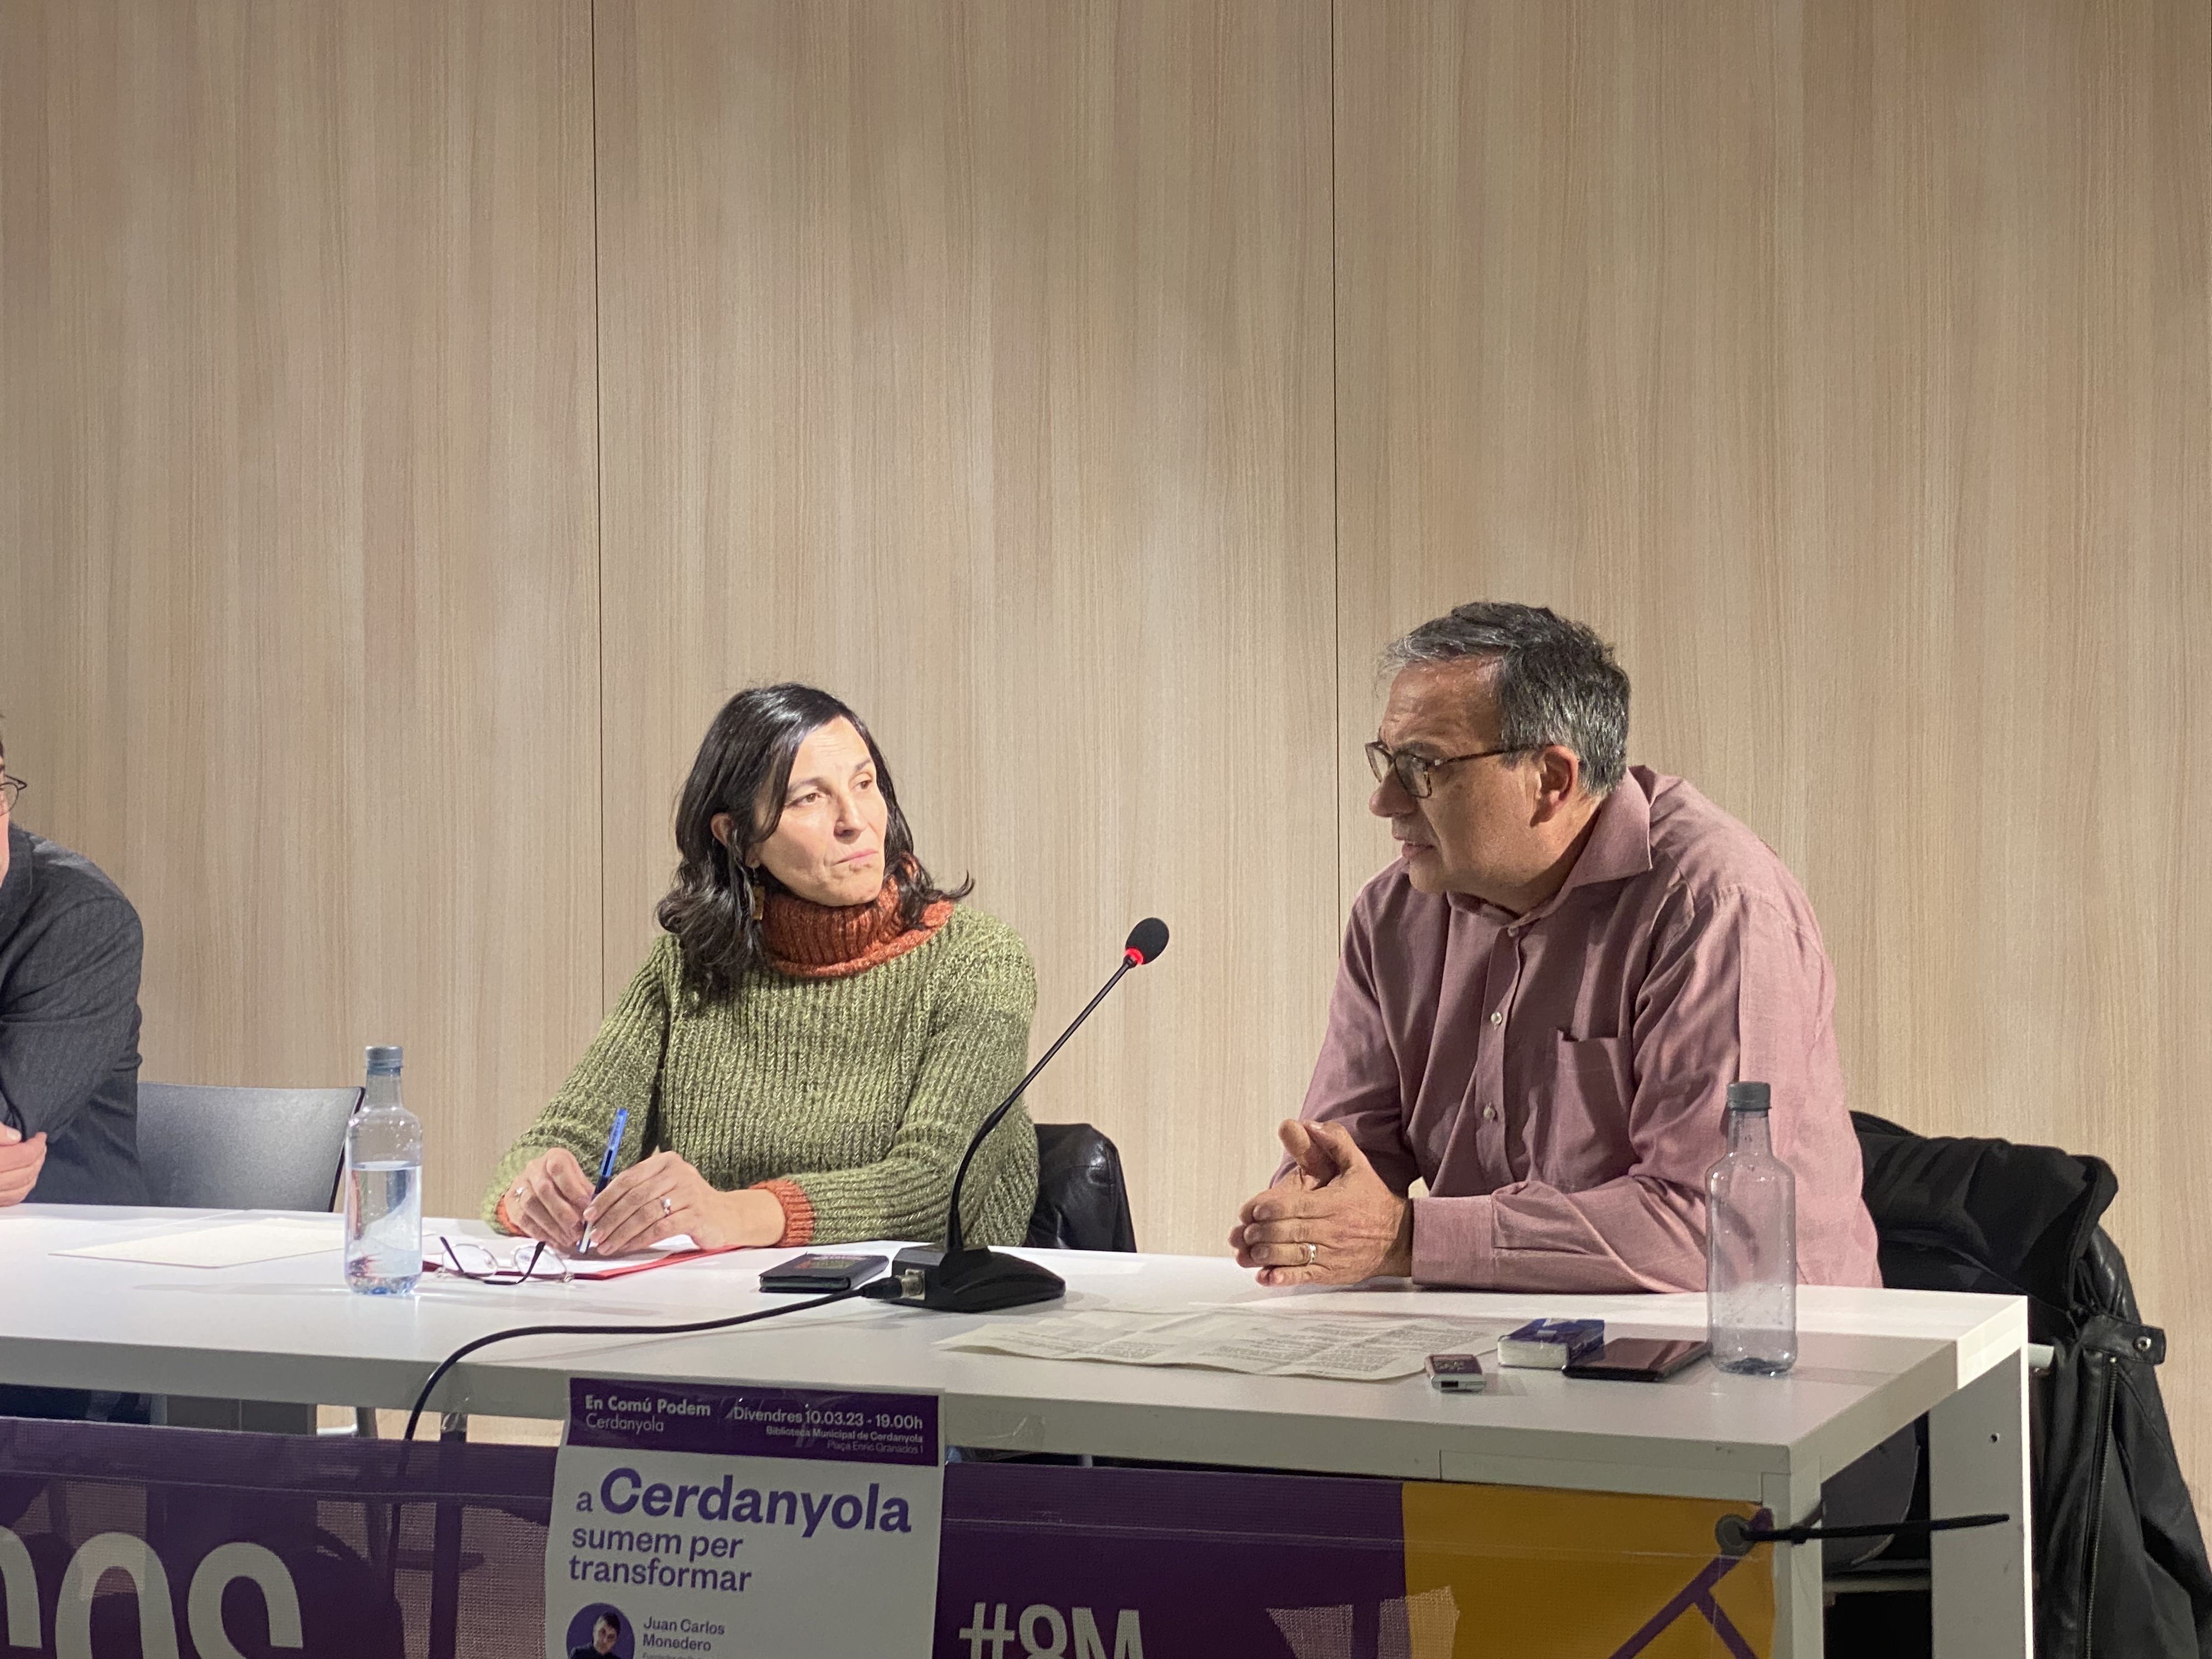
(2120, 1563)
(1081, 1204)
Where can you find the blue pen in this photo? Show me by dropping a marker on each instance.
(606, 1172)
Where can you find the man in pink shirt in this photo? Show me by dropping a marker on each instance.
(1542, 1003)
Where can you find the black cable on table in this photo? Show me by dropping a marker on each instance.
(725, 1323)
(883, 1289)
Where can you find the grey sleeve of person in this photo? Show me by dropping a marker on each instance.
(70, 1023)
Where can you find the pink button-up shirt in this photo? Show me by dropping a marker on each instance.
(1559, 1079)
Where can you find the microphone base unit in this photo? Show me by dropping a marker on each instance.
(957, 1280)
(970, 1281)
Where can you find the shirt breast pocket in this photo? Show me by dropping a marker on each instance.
(1578, 1124)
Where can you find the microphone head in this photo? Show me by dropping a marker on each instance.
(1146, 940)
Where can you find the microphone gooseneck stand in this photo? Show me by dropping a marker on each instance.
(958, 1279)
(955, 1279)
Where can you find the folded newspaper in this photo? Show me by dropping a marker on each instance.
(1350, 1348)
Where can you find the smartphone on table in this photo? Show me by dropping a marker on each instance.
(1639, 1358)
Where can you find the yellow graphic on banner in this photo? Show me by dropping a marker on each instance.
(1577, 1575)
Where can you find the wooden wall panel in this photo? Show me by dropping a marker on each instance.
(298, 631)
(972, 360)
(2002, 423)
(1846, 364)
(1558, 327)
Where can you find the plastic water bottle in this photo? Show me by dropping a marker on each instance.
(384, 1186)
(1751, 1245)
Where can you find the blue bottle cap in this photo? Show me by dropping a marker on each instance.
(384, 1060)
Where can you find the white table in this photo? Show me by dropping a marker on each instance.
(1870, 1361)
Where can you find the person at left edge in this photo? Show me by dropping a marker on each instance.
(811, 1042)
(70, 953)
(71, 949)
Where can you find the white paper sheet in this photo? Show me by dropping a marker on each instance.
(1351, 1348)
(223, 1243)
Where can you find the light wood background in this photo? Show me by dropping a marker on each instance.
(414, 419)
(974, 361)
(298, 605)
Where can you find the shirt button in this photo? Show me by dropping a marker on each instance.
(1490, 1112)
(1497, 1018)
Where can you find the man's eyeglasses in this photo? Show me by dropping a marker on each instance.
(1415, 773)
(9, 789)
(470, 1260)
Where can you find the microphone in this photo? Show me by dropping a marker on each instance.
(1145, 942)
(957, 1280)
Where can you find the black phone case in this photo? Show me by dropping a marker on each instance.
(821, 1273)
(1595, 1370)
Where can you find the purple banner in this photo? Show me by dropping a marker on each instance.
(1111, 1562)
(116, 1539)
(1119, 1563)
(723, 1421)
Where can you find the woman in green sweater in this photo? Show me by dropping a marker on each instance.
(812, 1041)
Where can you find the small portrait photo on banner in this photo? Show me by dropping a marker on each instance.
(600, 1631)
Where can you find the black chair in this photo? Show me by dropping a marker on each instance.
(2119, 1561)
(1082, 1202)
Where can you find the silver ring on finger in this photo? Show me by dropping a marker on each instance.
(667, 1206)
(1313, 1253)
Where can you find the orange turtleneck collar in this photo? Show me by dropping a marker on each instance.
(815, 941)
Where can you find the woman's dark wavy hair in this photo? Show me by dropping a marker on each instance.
(744, 761)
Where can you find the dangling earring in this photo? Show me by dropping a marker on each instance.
(747, 877)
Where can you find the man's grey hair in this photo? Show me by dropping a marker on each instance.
(1555, 681)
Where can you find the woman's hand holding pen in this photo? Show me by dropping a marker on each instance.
(661, 1196)
(547, 1200)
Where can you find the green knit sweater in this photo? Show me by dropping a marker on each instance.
(862, 1090)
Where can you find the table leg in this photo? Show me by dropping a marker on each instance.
(1797, 1633)
(446, 1558)
(1977, 1462)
